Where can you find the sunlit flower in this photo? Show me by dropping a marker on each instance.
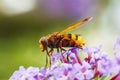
(25, 74)
(69, 66)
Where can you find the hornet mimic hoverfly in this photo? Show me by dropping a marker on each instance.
(59, 40)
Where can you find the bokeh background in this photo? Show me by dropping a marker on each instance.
(24, 22)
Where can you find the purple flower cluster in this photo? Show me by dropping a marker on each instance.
(69, 66)
(68, 8)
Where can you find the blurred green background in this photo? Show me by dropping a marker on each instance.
(24, 22)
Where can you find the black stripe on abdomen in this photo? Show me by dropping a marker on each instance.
(69, 36)
(76, 37)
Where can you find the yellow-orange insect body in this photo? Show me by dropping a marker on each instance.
(59, 40)
(72, 40)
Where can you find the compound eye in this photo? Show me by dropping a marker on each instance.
(43, 43)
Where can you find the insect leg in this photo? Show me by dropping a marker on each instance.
(46, 58)
(50, 53)
(62, 49)
(68, 58)
(58, 50)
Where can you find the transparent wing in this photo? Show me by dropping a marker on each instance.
(76, 25)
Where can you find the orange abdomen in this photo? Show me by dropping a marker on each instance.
(72, 40)
(66, 40)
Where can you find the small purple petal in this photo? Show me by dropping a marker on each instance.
(55, 57)
(77, 67)
(79, 76)
(75, 50)
(89, 74)
(72, 58)
(117, 57)
(117, 44)
(43, 70)
(92, 50)
(54, 66)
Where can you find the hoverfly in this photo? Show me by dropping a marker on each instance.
(59, 40)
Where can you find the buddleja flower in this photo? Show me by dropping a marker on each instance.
(25, 74)
(69, 66)
(117, 58)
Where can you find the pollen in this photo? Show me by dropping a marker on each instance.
(83, 70)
